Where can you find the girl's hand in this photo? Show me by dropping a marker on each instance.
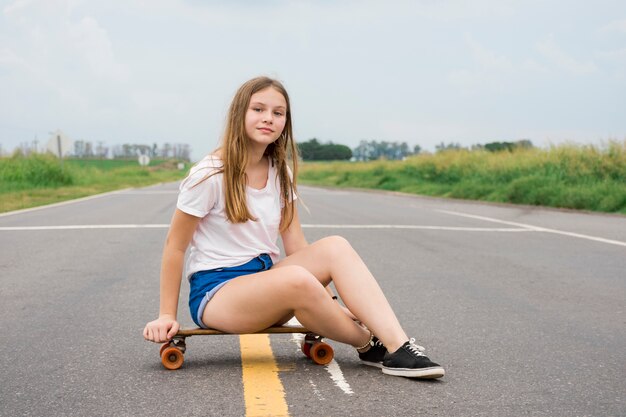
(161, 330)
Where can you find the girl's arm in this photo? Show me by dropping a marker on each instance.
(293, 237)
(178, 238)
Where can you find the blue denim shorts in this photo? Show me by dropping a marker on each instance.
(204, 284)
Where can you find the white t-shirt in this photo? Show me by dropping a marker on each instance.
(218, 243)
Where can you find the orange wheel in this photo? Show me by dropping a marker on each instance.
(172, 358)
(306, 349)
(163, 347)
(322, 353)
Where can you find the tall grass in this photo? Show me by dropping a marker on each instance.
(567, 176)
(19, 172)
(42, 179)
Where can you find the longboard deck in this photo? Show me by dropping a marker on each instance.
(270, 330)
(312, 346)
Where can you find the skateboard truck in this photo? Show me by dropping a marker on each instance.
(313, 345)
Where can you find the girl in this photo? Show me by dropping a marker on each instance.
(231, 208)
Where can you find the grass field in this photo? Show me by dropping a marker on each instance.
(567, 176)
(41, 179)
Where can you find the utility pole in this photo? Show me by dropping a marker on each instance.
(60, 150)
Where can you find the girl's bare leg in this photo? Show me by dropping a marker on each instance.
(257, 301)
(333, 258)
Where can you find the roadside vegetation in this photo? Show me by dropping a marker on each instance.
(42, 179)
(567, 176)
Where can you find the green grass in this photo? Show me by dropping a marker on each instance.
(41, 179)
(567, 176)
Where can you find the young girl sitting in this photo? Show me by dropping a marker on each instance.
(231, 208)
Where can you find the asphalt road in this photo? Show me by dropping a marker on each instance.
(525, 308)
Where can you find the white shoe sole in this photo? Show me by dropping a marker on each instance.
(425, 373)
(374, 364)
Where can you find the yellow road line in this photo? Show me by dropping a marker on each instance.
(262, 389)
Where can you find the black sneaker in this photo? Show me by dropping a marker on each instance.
(375, 355)
(410, 361)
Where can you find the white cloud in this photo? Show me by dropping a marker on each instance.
(163, 69)
(8, 58)
(615, 26)
(16, 6)
(53, 39)
(490, 71)
(533, 66)
(454, 10)
(552, 137)
(96, 49)
(617, 54)
(557, 56)
(426, 133)
(466, 80)
(614, 61)
(486, 58)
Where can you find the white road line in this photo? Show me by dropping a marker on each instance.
(304, 226)
(139, 192)
(411, 226)
(314, 190)
(85, 226)
(333, 367)
(337, 376)
(63, 203)
(536, 228)
(317, 392)
(125, 191)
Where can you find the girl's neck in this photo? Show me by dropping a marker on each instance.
(256, 157)
(257, 171)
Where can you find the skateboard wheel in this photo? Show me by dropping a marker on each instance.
(163, 347)
(322, 353)
(172, 358)
(306, 349)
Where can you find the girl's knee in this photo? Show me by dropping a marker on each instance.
(336, 244)
(298, 280)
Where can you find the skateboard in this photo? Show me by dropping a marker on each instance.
(313, 345)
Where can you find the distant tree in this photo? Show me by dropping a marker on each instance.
(83, 149)
(142, 149)
(165, 150)
(334, 152)
(88, 149)
(508, 146)
(499, 146)
(442, 147)
(23, 150)
(101, 150)
(181, 151)
(524, 144)
(372, 150)
(79, 148)
(313, 150)
(363, 152)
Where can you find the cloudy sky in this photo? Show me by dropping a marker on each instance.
(423, 72)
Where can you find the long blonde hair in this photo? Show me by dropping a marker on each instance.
(234, 154)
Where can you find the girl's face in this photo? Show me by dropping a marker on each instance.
(266, 116)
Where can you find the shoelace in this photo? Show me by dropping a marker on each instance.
(417, 350)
